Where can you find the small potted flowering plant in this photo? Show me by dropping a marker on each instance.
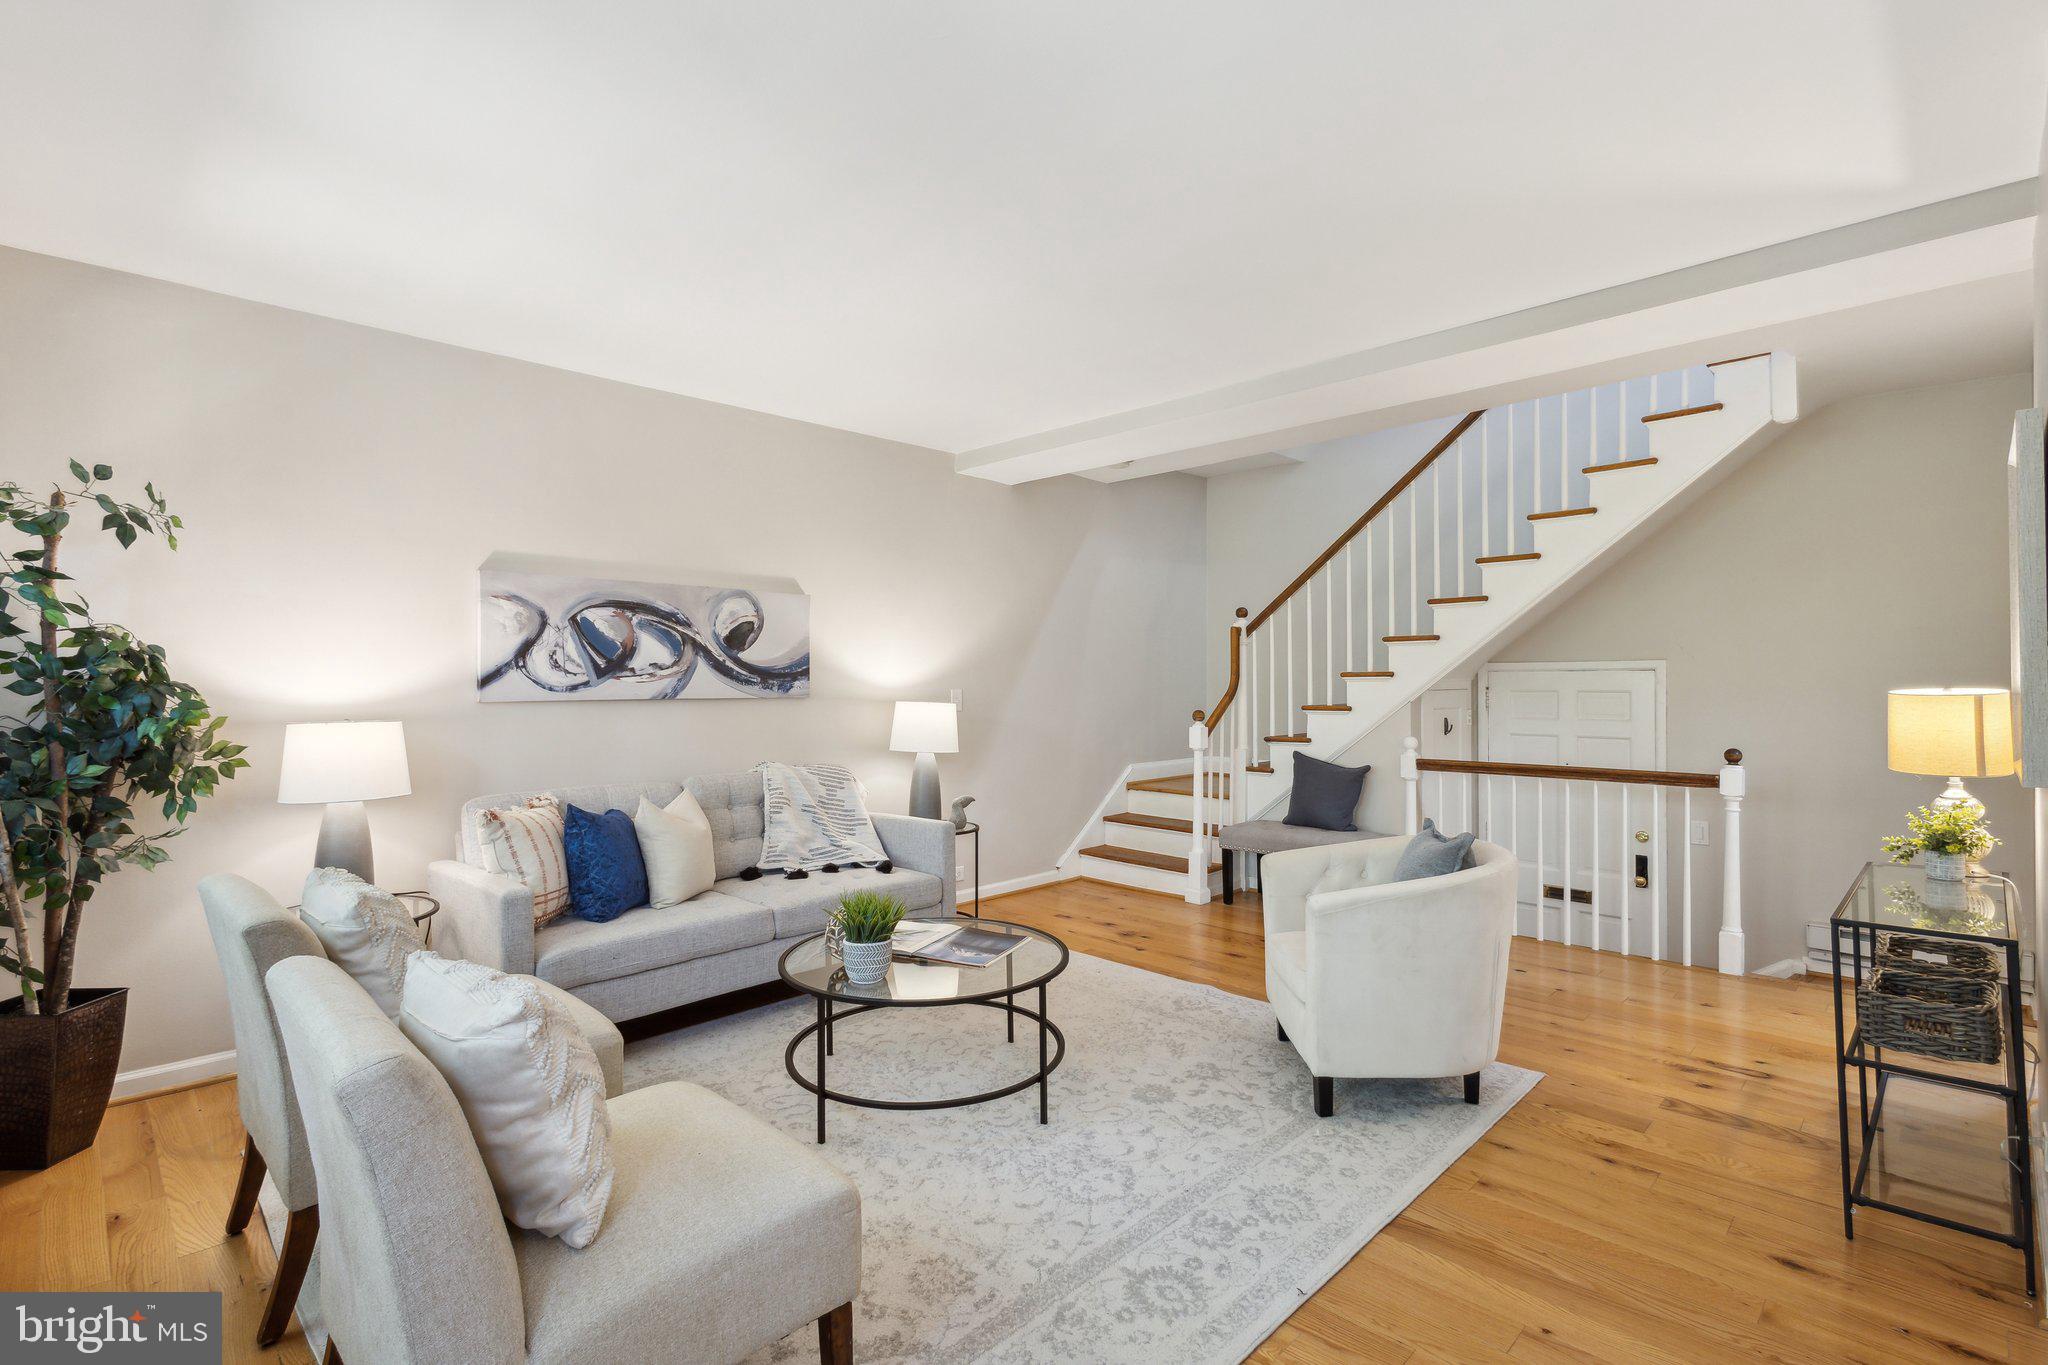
(866, 921)
(1945, 838)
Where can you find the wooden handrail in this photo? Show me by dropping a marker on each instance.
(1386, 500)
(1215, 712)
(1642, 777)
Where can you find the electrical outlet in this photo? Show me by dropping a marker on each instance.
(1699, 832)
(959, 872)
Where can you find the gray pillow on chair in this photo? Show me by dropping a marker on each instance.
(1324, 795)
(1429, 854)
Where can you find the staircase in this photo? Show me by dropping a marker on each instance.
(1489, 528)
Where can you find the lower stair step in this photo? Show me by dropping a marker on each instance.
(1452, 602)
(1286, 739)
(1138, 857)
(1325, 706)
(1411, 639)
(1618, 464)
(1166, 823)
(1563, 512)
(1507, 559)
(1258, 767)
(1183, 785)
(1374, 673)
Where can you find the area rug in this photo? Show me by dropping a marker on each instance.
(1182, 1202)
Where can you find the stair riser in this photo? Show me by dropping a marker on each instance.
(1150, 840)
(1161, 803)
(1145, 878)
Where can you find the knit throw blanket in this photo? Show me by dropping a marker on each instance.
(815, 817)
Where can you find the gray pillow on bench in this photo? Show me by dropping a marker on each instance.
(1429, 854)
(1324, 795)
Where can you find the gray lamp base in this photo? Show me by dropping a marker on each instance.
(924, 787)
(345, 840)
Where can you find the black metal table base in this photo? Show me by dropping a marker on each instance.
(1052, 1050)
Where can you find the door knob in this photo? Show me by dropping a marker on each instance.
(1642, 836)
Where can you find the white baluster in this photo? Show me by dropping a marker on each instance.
(1685, 843)
(1566, 879)
(1198, 835)
(1462, 561)
(1515, 840)
(1539, 860)
(1593, 819)
(1330, 678)
(1660, 905)
(1734, 785)
(1436, 530)
(1411, 779)
(1350, 615)
(1372, 641)
(1628, 874)
(1287, 706)
(1414, 497)
(1485, 487)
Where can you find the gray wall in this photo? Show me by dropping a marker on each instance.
(1863, 550)
(341, 485)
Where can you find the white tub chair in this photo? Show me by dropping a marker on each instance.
(1377, 978)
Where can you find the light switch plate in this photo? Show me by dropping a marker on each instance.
(1699, 832)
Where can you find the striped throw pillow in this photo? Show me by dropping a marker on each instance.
(526, 842)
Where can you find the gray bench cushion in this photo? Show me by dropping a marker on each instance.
(800, 906)
(572, 952)
(1271, 836)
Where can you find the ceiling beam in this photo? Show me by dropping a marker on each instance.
(1975, 236)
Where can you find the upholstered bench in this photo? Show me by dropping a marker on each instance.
(1260, 837)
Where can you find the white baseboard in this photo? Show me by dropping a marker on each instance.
(172, 1074)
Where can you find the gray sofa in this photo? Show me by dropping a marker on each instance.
(648, 960)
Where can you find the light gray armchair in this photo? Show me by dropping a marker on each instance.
(253, 933)
(722, 1234)
(1377, 978)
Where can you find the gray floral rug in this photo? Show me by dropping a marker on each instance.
(1182, 1202)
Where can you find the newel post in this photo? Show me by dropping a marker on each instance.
(1734, 784)
(1198, 837)
(1411, 778)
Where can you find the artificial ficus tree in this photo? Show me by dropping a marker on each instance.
(99, 729)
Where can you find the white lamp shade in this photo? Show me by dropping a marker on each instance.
(345, 760)
(925, 727)
(1949, 731)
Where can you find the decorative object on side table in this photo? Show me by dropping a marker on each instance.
(1946, 838)
(1943, 984)
(959, 817)
(925, 728)
(866, 921)
(341, 764)
(103, 728)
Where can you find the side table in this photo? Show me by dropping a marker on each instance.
(973, 827)
(1984, 911)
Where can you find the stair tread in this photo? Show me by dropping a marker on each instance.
(1681, 412)
(1180, 785)
(1373, 673)
(1324, 706)
(1286, 739)
(1138, 857)
(1563, 512)
(1171, 824)
(1507, 559)
(1409, 639)
(1258, 767)
(1454, 601)
(1618, 464)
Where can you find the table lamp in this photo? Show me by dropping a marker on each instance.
(1952, 732)
(925, 728)
(341, 764)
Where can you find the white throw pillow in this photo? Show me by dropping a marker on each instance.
(675, 844)
(528, 1083)
(526, 842)
(367, 932)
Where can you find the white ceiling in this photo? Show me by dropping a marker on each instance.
(961, 225)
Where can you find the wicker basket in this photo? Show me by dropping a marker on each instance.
(1892, 1013)
(1936, 968)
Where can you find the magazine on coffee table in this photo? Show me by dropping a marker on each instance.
(961, 945)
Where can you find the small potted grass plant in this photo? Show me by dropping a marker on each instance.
(1945, 838)
(866, 921)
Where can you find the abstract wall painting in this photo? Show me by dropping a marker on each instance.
(552, 637)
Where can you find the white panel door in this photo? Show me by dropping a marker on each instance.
(1581, 718)
(1447, 733)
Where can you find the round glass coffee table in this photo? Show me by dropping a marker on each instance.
(1037, 959)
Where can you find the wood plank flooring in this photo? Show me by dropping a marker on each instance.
(1668, 1193)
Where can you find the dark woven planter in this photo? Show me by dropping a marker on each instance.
(56, 1072)
(1892, 1012)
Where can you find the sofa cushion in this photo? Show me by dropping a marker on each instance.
(732, 803)
(1325, 795)
(800, 906)
(1430, 854)
(606, 874)
(575, 952)
(364, 928)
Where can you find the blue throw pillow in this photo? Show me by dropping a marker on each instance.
(1428, 854)
(606, 876)
(1324, 795)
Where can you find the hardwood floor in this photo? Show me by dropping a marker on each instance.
(1669, 1192)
